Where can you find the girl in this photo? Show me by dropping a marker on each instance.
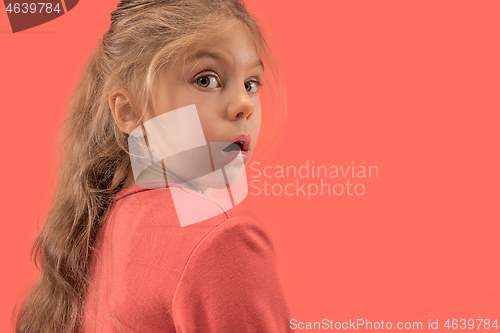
(112, 253)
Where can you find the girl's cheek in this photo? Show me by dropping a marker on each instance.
(210, 130)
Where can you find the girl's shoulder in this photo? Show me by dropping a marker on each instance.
(161, 211)
(143, 230)
(211, 267)
(174, 203)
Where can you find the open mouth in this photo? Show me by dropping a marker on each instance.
(235, 146)
(239, 146)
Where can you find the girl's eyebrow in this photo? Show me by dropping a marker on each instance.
(220, 56)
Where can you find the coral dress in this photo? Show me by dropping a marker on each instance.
(151, 275)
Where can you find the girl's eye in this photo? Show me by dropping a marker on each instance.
(207, 81)
(252, 86)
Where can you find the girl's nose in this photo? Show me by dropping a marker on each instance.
(241, 106)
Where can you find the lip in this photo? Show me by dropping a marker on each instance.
(245, 139)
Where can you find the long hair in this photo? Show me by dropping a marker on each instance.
(143, 36)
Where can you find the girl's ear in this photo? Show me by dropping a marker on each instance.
(123, 112)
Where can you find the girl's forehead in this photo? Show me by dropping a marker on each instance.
(236, 47)
(229, 43)
(240, 57)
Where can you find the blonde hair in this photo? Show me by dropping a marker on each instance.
(143, 36)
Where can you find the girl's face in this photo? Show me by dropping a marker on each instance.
(222, 78)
